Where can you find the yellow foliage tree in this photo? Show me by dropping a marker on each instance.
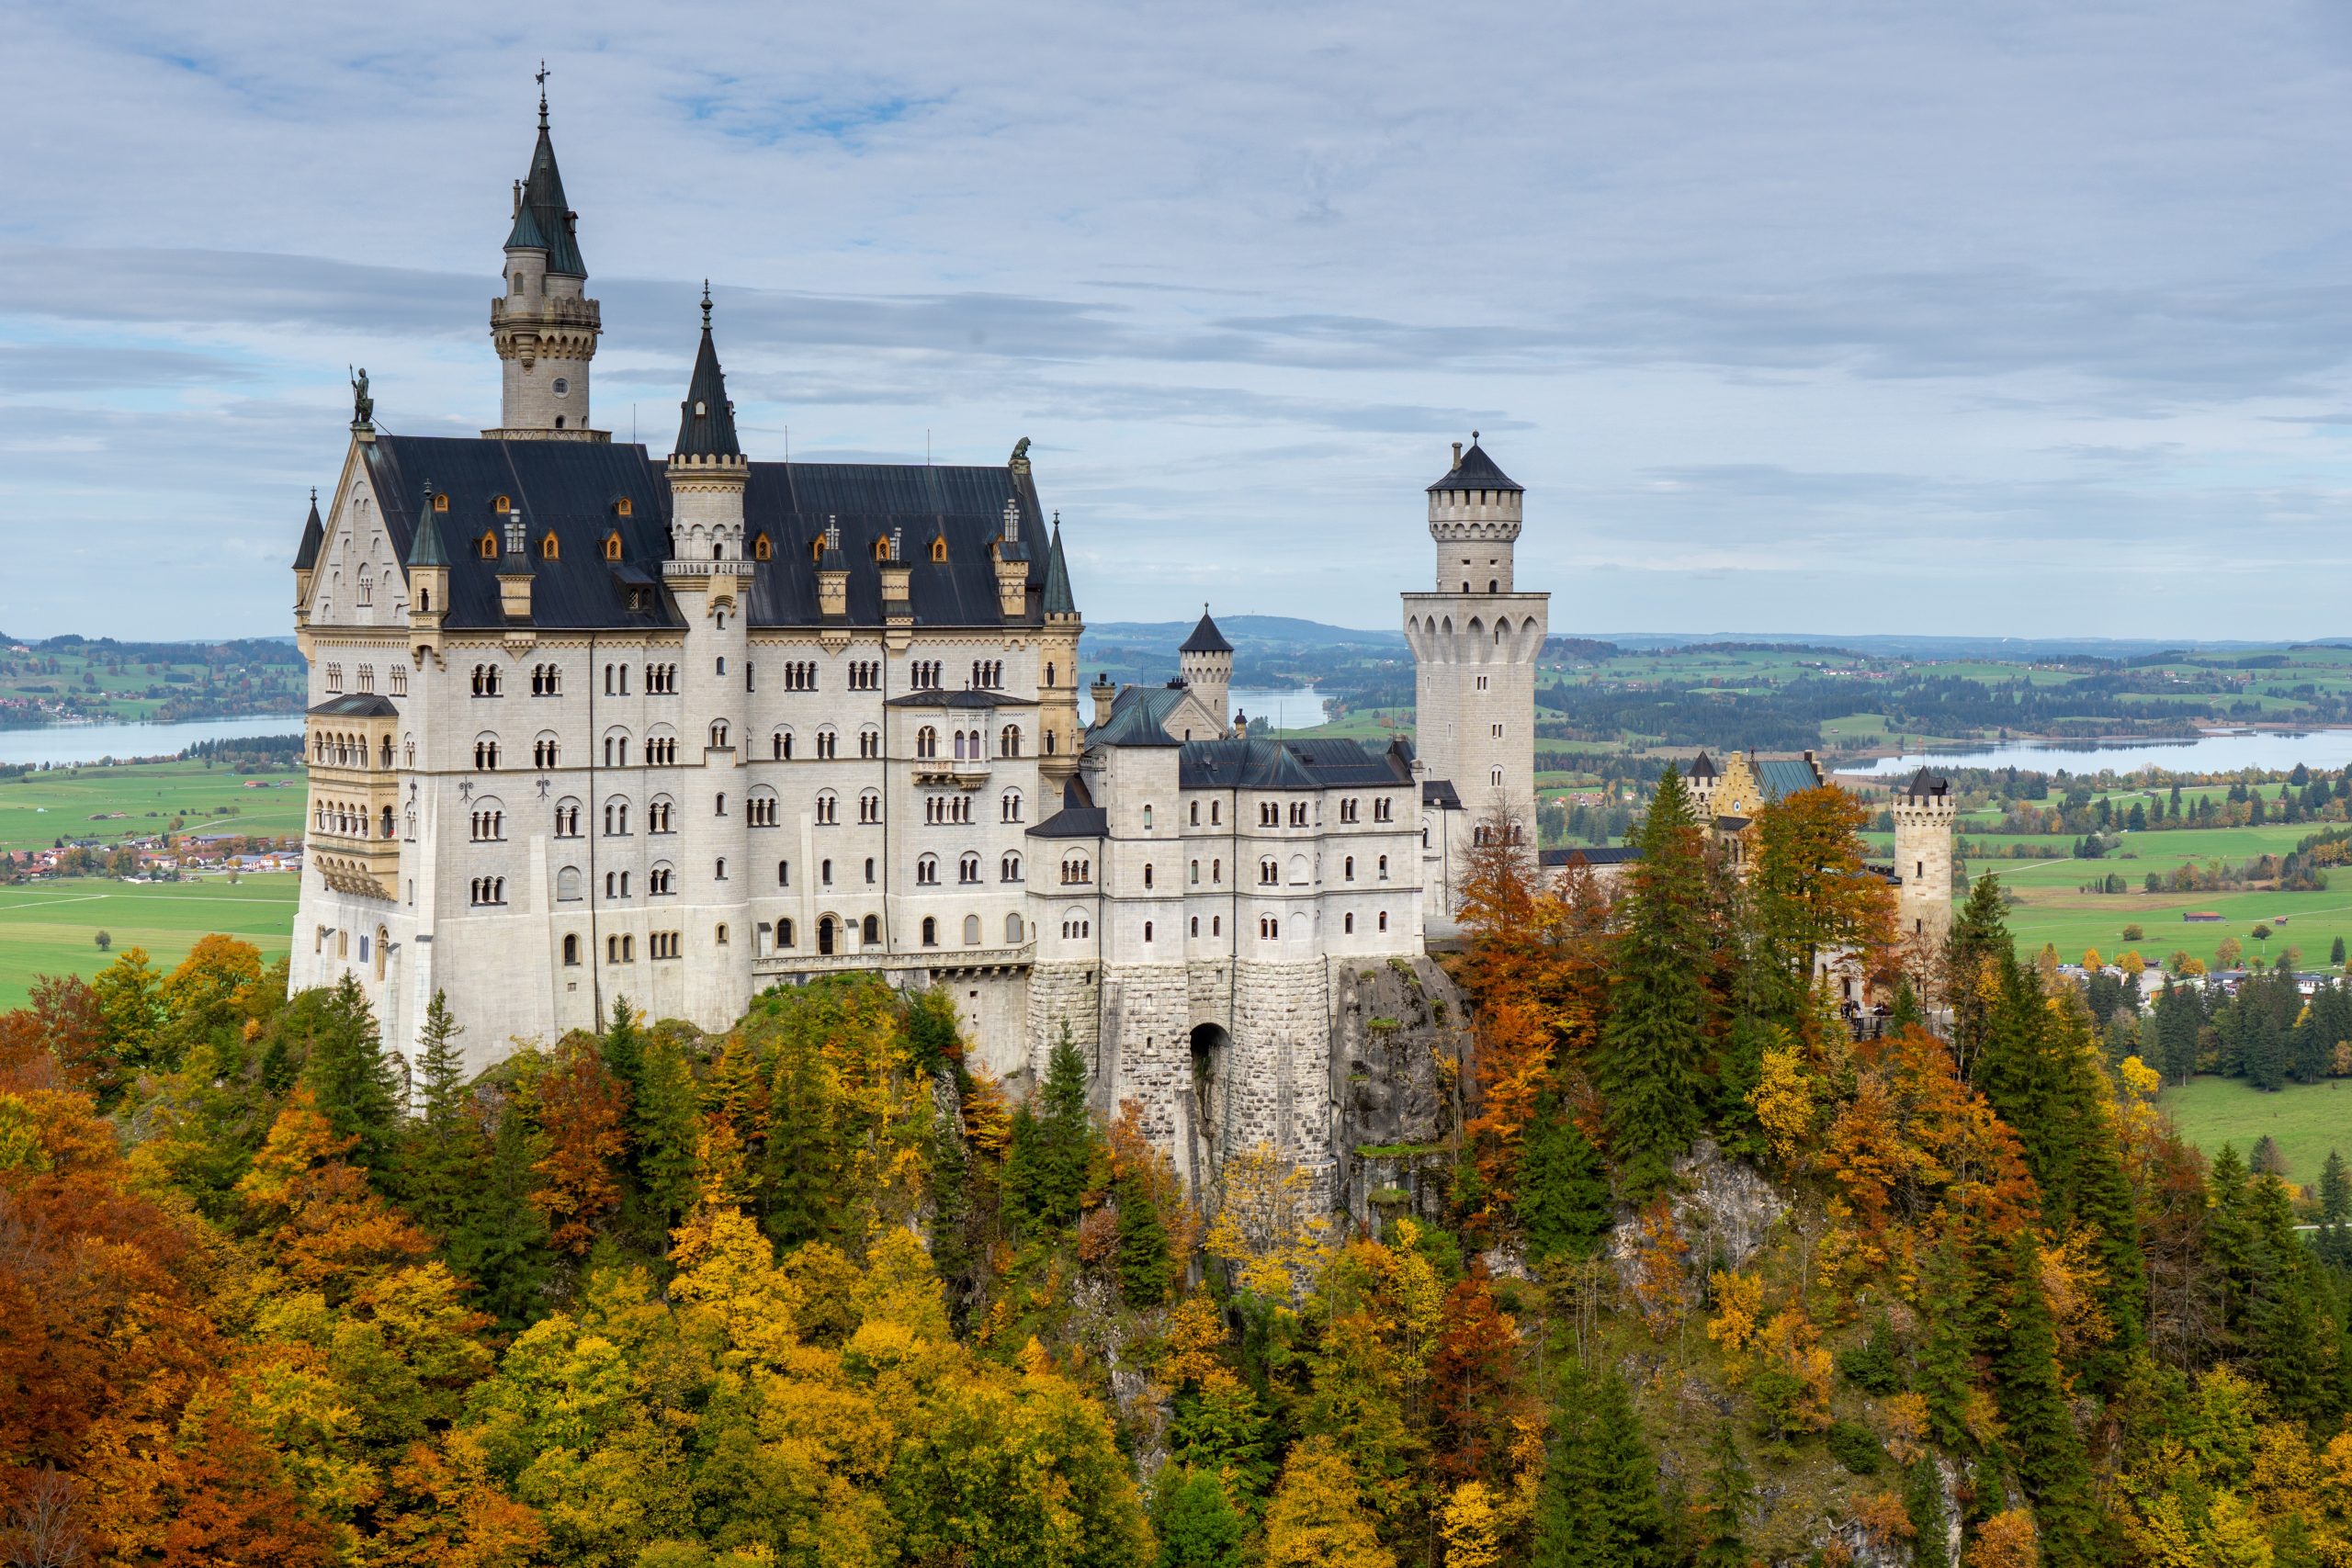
(1739, 1301)
(2006, 1540)
(1317, 1517)
(1471, 1523)
(1267, 1230)
(1783, 1099)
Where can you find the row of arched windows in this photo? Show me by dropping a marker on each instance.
(488, 681)
(987, 674)
(347, 820)
(800, 676)
(489, 890)
(345, 750)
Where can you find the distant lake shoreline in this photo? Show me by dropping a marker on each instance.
(2214, 752)
(65, 745)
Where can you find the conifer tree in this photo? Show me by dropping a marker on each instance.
(502, 1243)
(1564, 1204)
(2288, 1337)
(1947, 1373)
(1198, 1524)
(804, 1167)
(442, 1165)
(1728, 1487)
(2045, 1451)
(664, 1127)
(2334, 1213)
(1146, 1270)
(952, 1251)
(1653, 1046)
(357, 1085)
(623, 1045)
(1599, 1507)
(1055, 1148)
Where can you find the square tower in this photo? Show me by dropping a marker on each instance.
(1474, 643)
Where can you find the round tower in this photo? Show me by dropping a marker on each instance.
(1474, 512)
(1924, 811)
(1205, 662)
(543, 324)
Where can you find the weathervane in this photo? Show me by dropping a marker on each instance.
(542, 80)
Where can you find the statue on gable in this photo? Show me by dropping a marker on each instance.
(363, 407)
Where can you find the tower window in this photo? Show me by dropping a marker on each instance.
(563, 387)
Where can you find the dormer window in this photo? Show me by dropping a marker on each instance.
(613, 545)
(440, 504)
(882, 550)
(547, 547)
(939, 550)
(500, 505)
(700, 408)
(762, 549)
(817, 548)
(490, 545)
(624, 507)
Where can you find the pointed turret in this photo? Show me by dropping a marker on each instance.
(425, 547)
(1206, 662)
(428, 574)
(315, 535)
(543, 219)
(706, 418)
(1058, 601)
(1206, 638)
(543, 324)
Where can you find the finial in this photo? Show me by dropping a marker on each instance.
(314, 495)
(542, 79)
(1474, 439)
(706, 304)
(1058, 519)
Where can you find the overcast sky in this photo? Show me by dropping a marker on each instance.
(1791, 318)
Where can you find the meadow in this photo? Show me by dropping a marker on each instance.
(2305, 1119)
(39, 808)
(50, 928)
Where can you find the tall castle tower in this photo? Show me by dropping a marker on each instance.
(1205, 662)
(1474, 643)
(545, 326)
(1923, 813)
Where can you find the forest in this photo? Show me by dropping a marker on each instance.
(1708, 1273)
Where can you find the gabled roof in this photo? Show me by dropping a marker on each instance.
(1289, 764)
(544, 220)
(1701, 767)
(315, 538)
(1441, 794)
(966, 699)
(1058, 601)
(1206, 638)
(1080, 817)
(1782, 776)
(1476, 471)
(706, 418)
(1139, 717)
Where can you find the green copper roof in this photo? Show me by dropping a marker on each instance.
(425, 550)
(545, 220)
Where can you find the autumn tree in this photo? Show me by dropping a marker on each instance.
(1317, 1517)
(579, 1109)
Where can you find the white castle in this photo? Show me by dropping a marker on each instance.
(587, 723)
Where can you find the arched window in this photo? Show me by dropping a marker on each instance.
(367, 587)
(927, 870)
(571, 951)
(1009, 741)
(1348, 924)
(718, 735)
(1013, 931)
(719, 869)
(1348, 869)
(1147, 817)
(939, 549)
(783, 873)
(1384, 868)
(781, 743)
(826, 928)
(1147, 930)
(761, 549)
(926, 742)
(930, 931)
(968, 870)
(1010, 806)
(488, 546)
(548, 546)
(870, 931)
(1384, 920)
(1147, 874)
(613, 545)
(971, 931)
(1009, 868)
(783, 937)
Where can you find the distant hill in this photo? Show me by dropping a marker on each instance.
(2006, 650)
(1263, 631)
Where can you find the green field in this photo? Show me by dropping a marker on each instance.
(49, 928)
(2306, 1120)
(37, 809)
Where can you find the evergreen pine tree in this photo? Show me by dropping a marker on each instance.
(1564, 1204)
(666, 1127)
(952, 1251)
(2288, 1337)
(1728, 1487)
(1653, 1045)
(1923, 1503)
(1906, 1013)
(1053, 1145)
(442, 1165)
(1145, 1270)
(501, 1244)
(1599, 1507)
(1197, 1523)
(357, 1087)
(805, 1168)
(1947, 1373)
(623, 1045)
(2045, 1451)
(2334, 1213)
(2265, 1053)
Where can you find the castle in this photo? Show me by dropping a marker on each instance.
(586, 723)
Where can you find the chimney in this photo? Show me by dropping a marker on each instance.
(1457, 456)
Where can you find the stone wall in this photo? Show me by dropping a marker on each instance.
(1059, 993)
(1147, 1048)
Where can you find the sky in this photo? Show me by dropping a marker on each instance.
(1793, 319)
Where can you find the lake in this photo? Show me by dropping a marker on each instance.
(2219, 752)
(62, 743)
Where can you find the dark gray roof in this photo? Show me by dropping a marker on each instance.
(1701, 767)
(1289, 764)
(964, 699)
(1590, 854)
(315, 538)
(1139, 717)
(1058, 601)
(1441, 794)
(358, 704)
(574, 489)
(1476, 471)
(1206, 638)
(1924, 785)
(1080, 817)
(544, 222)
(705, 419)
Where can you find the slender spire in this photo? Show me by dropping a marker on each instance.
(315, 537)
(424, 548)
(706, 420)
(1057, 599)
(543, 219)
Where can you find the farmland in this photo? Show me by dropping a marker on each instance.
(2305, 1119)
(72, 677)
(39, 808)
(49, 928)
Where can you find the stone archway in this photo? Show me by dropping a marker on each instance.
(1212, 1059)
(826, 929)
